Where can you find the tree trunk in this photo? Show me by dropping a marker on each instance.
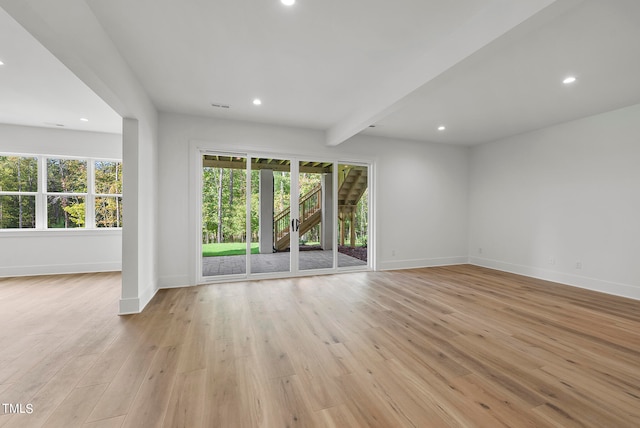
(230, 188)
(220, 207)
(281, 207)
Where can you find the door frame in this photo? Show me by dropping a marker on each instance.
(200, 148)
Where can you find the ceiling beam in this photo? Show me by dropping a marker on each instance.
(496, 19)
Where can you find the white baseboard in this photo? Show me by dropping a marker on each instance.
(175, 281)
(608, 287)
(146, 295)
(419, 263)
(129, 306)
(60, 269)
(135, 305)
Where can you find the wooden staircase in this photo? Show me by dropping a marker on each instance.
(310, 215)
(351, 186)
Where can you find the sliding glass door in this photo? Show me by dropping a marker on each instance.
(273, 216)
(315, 213)
(223, 218)
(353, 215)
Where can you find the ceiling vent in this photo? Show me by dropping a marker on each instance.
(219, 105)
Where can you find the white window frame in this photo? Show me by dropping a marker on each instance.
(197, 148)
(19, 193)
(95, 194)
(42, 195)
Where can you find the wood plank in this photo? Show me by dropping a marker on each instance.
(186, 405)
(75, 409)
(150, 404)
(106, 423)
(445, 346)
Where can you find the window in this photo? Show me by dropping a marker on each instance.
(108, 191)
(66, 193)
(18, 190)
(39, 192)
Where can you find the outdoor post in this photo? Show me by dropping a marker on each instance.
(266, 211)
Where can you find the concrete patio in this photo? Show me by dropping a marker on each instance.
(275, 262)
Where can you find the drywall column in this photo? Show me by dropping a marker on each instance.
(130, 299)
(326, 227)
(266, 211)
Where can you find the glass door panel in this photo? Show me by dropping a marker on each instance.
(271, 215)
(315, 215)
(224, 193)
(353, 215)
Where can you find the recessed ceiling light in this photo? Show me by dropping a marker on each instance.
(1, 63)
(441, 128)
(569, 79)
(288, 2)
(257, 102)
(84, 119)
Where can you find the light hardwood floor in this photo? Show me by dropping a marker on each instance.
(450, 346)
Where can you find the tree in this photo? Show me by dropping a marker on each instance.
(66, 177)
(108, 182)
(223, 205)
(17, 176)
(220, 206)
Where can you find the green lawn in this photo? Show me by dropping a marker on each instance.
(231, 249)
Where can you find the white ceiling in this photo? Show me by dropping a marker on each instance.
(514, 85)
(36, 89)
(486, 69)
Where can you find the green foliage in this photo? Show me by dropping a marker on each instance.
(76, 214)
(108, 211)
(361, 221)
(67, 182)
(65, 211)
(224, 193)
(108, 177)
(108, 181)
(224, 204)
(226, 214)
(66, 176)
(18, 174)
(17, 212)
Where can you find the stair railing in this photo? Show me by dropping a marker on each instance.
(309, 204)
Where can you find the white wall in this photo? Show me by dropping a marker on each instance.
(421, 197)
(79, 41)
(30, 252)
(542, 202)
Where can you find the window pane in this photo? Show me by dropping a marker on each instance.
(224, 215)
(109, 212)
(17, 212)
(65, 211)
(353, 215)
(66, 175)
(18, 174)
(108, 177)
